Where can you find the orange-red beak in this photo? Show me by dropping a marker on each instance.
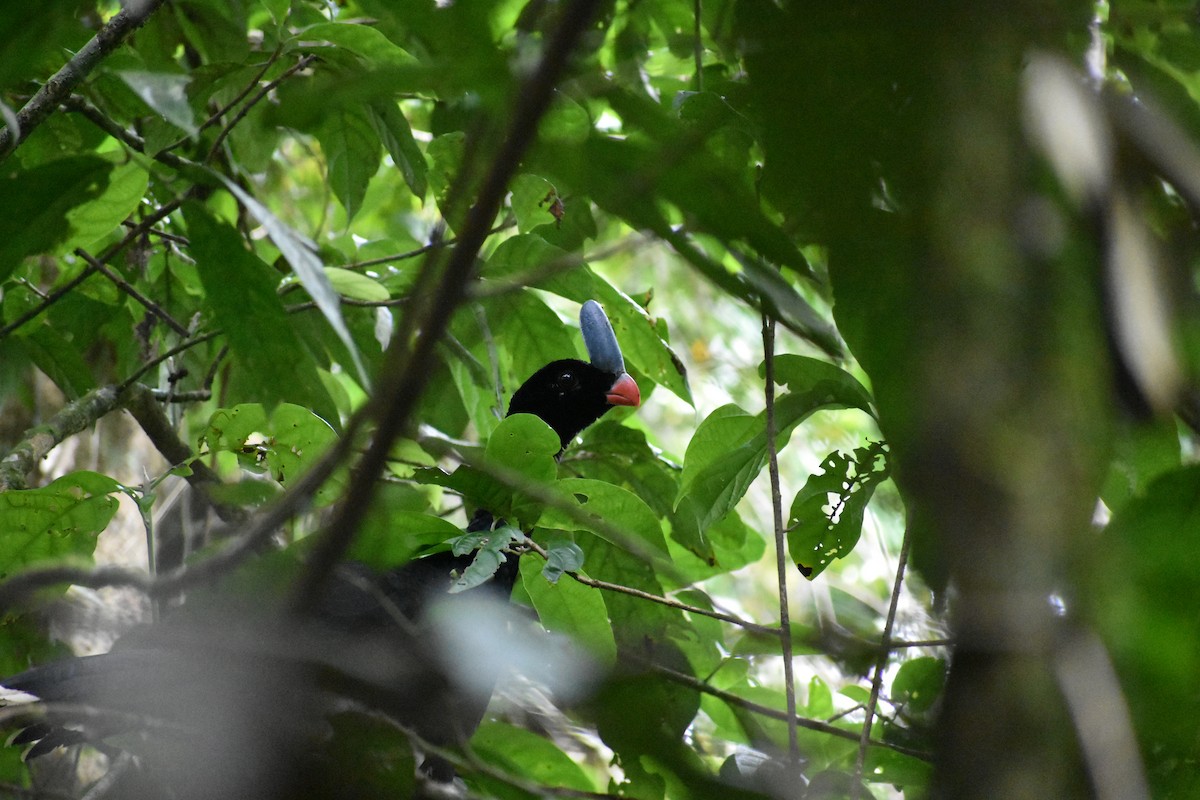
(624, 392)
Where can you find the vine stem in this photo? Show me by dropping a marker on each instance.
(885, 650)
(781, 560)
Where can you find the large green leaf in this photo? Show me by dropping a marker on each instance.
(38, 200)
(1143, 595)
(729, 448)
(569, 607)
(640, 530)
(240, 291)
(61, 520)
(352, 154)
(523, 753)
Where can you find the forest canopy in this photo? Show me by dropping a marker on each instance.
(909, 296)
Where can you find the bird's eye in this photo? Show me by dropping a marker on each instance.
(566, 379)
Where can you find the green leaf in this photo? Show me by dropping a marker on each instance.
(1142, 596)
(392, 535)
(562, 555)
(166, 94)
(56, 521)
(361, 40)
(126, 187)
(521, 752)
(355, 285)
(827, 514)
(37, 202)
(729, 448)
(396, 134)
(240, 291)
(352, 154)
(301, 255)
(617, 507)
(525, 446)
(569, 607)
(919, 683)
(531, 200)
(489, 548)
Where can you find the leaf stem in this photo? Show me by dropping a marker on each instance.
(781, 559)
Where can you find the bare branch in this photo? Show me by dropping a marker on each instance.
(62, 83)
(70, 419)
(128, 288)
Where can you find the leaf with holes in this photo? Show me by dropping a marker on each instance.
(827, 514)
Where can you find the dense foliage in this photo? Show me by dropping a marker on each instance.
(312, 247)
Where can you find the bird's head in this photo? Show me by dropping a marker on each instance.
(570, 394)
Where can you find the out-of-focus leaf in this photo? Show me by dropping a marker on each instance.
(360, 40)
(827, 514)
(166, 94)
(355, 285)
(1142, 595)
(918, 683)
(301, 255)
(38, 200)
(240, 291)
(126, 188)
(532, 197)
(521, 752)
(395, 132)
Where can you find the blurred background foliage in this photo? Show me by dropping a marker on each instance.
(222, 224)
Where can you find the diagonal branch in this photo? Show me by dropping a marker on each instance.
(62, 83)
(408, 370)
(877, 681)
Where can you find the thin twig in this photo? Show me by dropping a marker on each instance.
(781, 560)
(420, 251)
(62, 291)
(880, 665)
(773, 713)
(252, 102)
(60, 85)
(128, 288)
(654, 598)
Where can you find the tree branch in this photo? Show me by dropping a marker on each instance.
(408, 370)
(62, 83)
(128, 288)
(70, 419)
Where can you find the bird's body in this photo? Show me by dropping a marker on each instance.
(362, 612)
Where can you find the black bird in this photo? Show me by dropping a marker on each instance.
(362, 613)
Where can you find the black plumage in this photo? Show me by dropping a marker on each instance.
(361, 612)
